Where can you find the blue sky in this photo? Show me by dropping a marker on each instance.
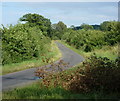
(71, 13)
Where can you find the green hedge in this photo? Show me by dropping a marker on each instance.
(21, 42)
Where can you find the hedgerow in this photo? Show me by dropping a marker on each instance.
(85, 40)
(88, 40)
(22, 42)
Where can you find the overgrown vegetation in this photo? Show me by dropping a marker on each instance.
(27, 45)
(94, 74)
(94, 79)
(110, 52)
(97, 77)
(31, 40)
(21, 42)
(53, 55)
(89, 39)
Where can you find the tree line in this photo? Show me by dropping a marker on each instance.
(32, 38)
(88, 38)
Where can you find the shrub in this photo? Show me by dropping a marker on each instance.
(88, 48)
(99, 74)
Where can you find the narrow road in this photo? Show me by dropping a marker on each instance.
(17, 79)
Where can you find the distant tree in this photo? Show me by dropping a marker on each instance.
(37, 20)
(72, 26)
(61, 26)
(54, 26)
(108, 25)
(75, 27)
(59, 29)
(96, 27)
(105, 26)
(86, 26)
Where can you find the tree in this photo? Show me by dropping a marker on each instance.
(72, 26)
(59, 29)
(112, 31)
(54, 26)
(37, 20)
(61, 26)
(86, 26)
(96, 27)
(105, 26)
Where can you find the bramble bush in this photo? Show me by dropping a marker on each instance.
(99, 74)
(95, 74)
(22, 42)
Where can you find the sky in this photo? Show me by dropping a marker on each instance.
(60, 0)
(71, 13)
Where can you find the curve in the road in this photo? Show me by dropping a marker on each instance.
(17, 79)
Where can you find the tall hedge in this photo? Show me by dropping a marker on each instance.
(85, 40)
(22, 42)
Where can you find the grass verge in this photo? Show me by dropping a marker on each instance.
(110, 52)
(53, 55)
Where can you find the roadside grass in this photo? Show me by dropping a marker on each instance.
(53, 55)
(110, 52)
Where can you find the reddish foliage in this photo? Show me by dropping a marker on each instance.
(95, 74)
